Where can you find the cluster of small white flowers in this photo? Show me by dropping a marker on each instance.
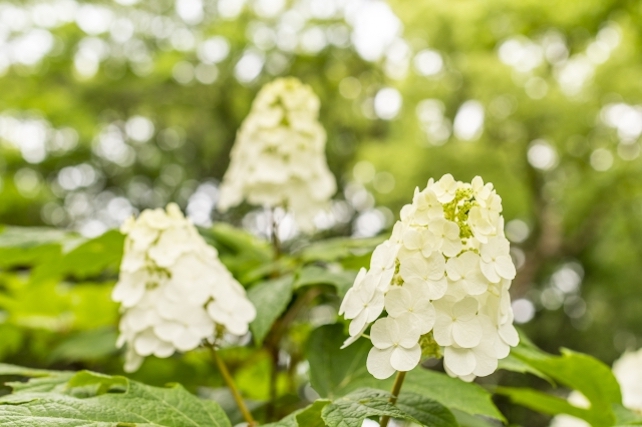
(443, 280)
(278, 158)
(174, 291)
(628, 372)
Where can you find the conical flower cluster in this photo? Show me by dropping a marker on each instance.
(442, 279)
(174, 291)
(278, 158)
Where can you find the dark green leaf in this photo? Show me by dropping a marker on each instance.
(574, 370)
(352, 409)
(467, 420)
(104, 401)
(314, 275)
(86, 346)
(427, 411)
(512, 363)
(95, 256)
(270, 299)
(309, 416)
(624, 416)
(338, 248)
(452, 392)
(335, 372)
(545, 403)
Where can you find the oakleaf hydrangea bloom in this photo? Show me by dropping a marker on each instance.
(174, 291)
(628, 372)
(442, 280)
(278, 158)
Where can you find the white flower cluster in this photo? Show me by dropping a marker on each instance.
(174, 291)
(628, 372)
(278, 158)
(443, 280)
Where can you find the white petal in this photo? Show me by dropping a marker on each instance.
(442, 330)
(358, 323)
(146, 343)
(411, 239)
(435, 266)
(133, 361)
(168, 331)
(425, 313)
(466, 308)
(459, 360)
(405, 359)
(397, 301)
(437, 288)
(489, 271)
(407, 332)
(351, 305)
(454, 268)
(187, 341)
(165, 349)
(467, 333)
(509, 334)
(378, 363)
(383, 333)
(353, 338)
(346, 299)
(485, 364)
(451, 248)
(505, 267)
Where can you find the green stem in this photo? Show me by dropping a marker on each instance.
(247, 416)
(276, 244)
(396, 388)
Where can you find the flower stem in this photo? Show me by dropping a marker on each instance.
(274, 234)
(247, 416)
(396, 388)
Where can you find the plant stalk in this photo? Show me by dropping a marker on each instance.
(276, 244)
(247, 416)
(396, 388)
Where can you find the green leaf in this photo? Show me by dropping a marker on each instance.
(31, 237)
(309, 416)
(427, 411)
(624, 416)
(242, 253)
(452, 392)
(314, 275)
(339, 248)
(351, 410)
(6, 369)
(40, 380)
(95, 256)
(86, 346)
(514, 364)
(574, 370)
(270, 299)
(335, 372)
(104, 401)
(12, 339)
(467, 420)
(545, 403)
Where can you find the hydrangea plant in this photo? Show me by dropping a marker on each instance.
(278, 159)
(174, 291)
(442, 279)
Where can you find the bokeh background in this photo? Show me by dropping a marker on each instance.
(110, 107)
